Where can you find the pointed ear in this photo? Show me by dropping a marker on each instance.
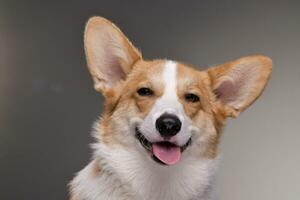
(110, 55)
(239, 83)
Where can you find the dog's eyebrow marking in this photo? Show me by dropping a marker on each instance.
(169, 78)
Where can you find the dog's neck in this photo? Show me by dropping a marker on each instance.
(148, 180)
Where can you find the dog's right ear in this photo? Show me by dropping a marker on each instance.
(110, 55)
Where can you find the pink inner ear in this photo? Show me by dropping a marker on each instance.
(114, 71)
(110, 65)
(226, 91)
(235, 90)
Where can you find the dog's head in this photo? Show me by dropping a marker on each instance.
(164, 107)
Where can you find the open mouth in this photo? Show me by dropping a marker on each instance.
(164, 152)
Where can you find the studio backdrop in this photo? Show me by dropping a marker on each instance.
(48, 104)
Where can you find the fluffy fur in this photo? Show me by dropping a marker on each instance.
(121, 168)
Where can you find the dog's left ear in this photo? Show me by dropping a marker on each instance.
(239, 83)
(110, 55)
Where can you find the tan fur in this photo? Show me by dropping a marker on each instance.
(191, 80)
(145, 73)
(260, 63)
(102, 29)
(122, 103)
(124, 99)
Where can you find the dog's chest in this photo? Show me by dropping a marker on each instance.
(180, 183)
(129, 176)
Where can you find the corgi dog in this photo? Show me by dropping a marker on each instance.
(158, 136)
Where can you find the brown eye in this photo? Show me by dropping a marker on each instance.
(145, 91)
(191, 97)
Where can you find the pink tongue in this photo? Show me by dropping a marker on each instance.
(169, 155)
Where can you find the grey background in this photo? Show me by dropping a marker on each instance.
(47, 102)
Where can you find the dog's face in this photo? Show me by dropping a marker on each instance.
(164, 108)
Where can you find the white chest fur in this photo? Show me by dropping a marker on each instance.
(130, 175)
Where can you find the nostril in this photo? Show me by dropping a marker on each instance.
(168, 125)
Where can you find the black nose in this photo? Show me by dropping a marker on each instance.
(168, 125)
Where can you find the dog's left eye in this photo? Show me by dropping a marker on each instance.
(190, 97)
(145, 91)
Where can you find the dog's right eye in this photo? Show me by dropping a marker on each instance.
(145, 91)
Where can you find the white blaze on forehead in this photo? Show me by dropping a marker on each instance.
(169, 101)
(170, 82)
